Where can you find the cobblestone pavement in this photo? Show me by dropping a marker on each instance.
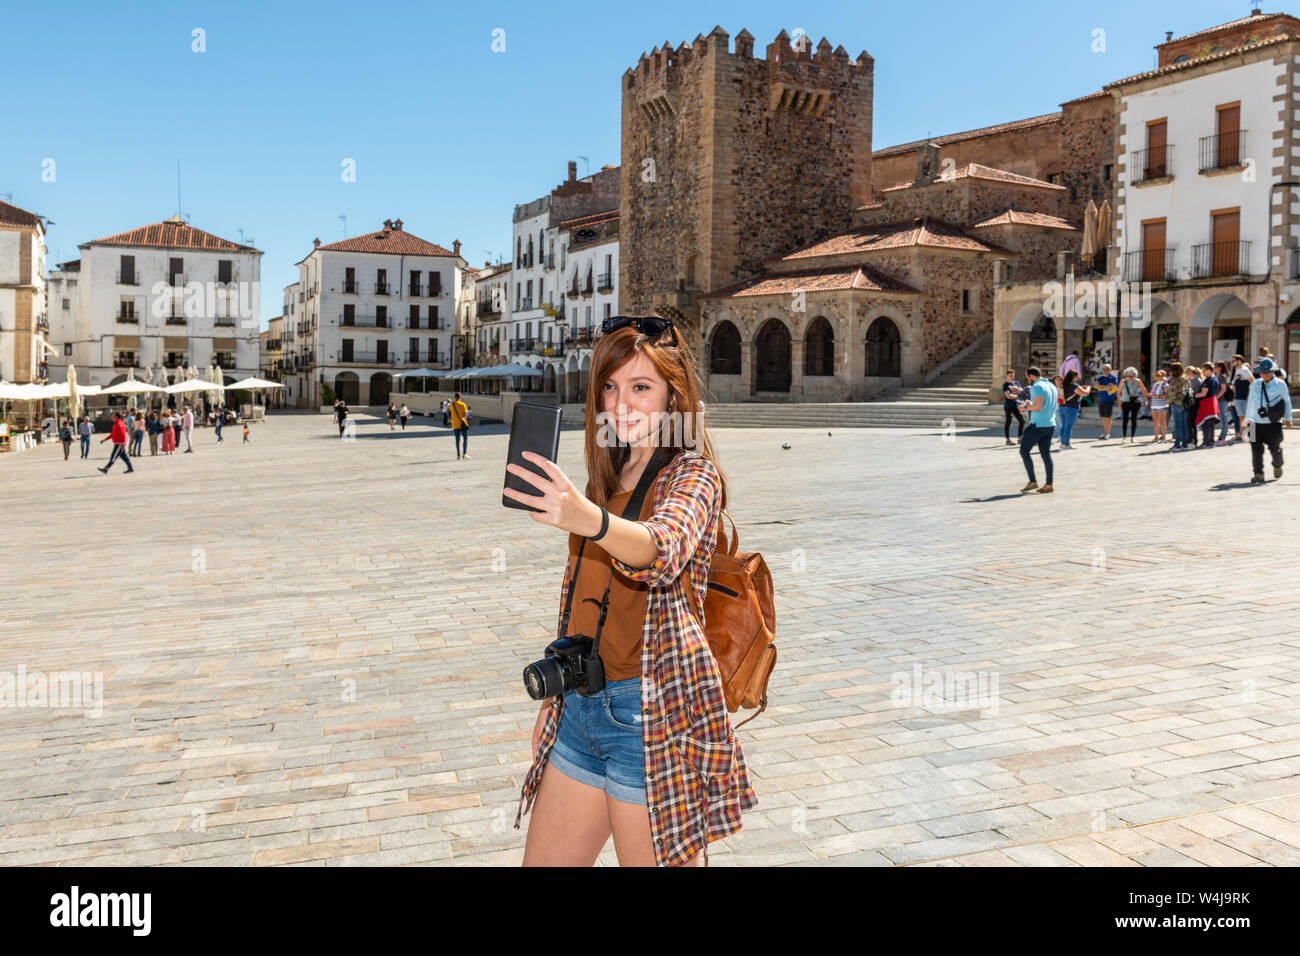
(311, 651)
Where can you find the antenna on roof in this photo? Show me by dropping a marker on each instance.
(245, 240)
(344, 217)
(586, 165)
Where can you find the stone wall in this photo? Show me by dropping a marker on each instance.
(728, 159)
(961, 202)
(1028, 147)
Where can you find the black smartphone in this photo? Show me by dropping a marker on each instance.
(533, 428)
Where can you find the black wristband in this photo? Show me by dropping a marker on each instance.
(604, 526)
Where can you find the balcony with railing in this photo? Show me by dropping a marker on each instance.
(367, 358)
(365, 320)
(382, 288)
(128, 277)
(1223, 151)
(177, 280)
(1220, 259)
(1149, 265)
(524, 304)
(1150, 165)
(605, 282)
(177, 320)
(550, 260)
(224, 321)
(413, 289)
(572, 290)
(127, 317)
(522, 345)
(426, 324)
(351, 287)
(548, 348)
(487, 307)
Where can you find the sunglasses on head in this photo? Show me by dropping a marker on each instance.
(649, 325)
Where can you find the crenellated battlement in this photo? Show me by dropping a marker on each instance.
(796, 61)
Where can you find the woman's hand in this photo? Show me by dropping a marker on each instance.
(562, 504)
(541, 723)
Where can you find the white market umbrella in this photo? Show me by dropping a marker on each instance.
(255, 382)
(186, 386)
(129, 387)
(74, 398)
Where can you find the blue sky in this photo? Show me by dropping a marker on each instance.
(447, 134)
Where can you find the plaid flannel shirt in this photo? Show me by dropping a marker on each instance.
(697, 783)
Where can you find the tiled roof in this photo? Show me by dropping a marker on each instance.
(987, 173)
(1015, 217)
(1083, 99)
(1256, 18)
(927, 233)
(590, 220)
(395, 242)
(1209, 58)
(171, 234)
(857, 277)
(17, 217)
(1027, 123)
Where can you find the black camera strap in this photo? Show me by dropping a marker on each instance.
(657, 461)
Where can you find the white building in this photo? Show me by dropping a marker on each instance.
(1203, 140)
(23, 319)
(370, 306)
(167, 294)
(492, 311)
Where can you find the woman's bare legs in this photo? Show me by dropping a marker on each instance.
(569, 824)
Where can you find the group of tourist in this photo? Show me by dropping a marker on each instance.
(1255, 403)
(456, 415)
(395, 413)
(165, 429)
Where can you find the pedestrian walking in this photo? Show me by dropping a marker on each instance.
(1131, 393)
(118, 438)
(392, 416)
(245, 441)
(446, 413)
(1059, 382)
(404, 414)
(152, 427)
(137, 433)
(1010, 389)
(342, 413)
(220, 421)
(1107, 384)
(1207, 405)
(1041, 406)
(1071, 405)
(85, 429)
(1159, 406)
(65, 436)
(459, 413)
(1268, 410)
(187, 427)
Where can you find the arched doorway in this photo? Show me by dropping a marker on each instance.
(819, 348)
(1219, 328)
(548, 378)
(773, 357)
(724, 349)
(1042, 344)
(884, 349)
(348, 387)
(381, 386)
(584, 377)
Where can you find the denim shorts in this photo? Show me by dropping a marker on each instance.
(599, 740)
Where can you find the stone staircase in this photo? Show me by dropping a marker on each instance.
(958, 398)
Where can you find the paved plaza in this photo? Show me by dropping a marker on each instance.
(311, 650)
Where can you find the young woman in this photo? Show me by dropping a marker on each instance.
(404, 414)
(1073, 394)
(1226, 408)
(137, 433)
(1131, 393)
(168, 433)
(1159, 406)
(1207, 405)
(392, 416)
(65, 436)
(153, 428)
(588, 774)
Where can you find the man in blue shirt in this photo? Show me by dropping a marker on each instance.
(1041, 405)
(1107, 388)
(1266, 390)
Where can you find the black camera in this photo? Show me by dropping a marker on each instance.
(571, 663)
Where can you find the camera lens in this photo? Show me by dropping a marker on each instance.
(544, 678)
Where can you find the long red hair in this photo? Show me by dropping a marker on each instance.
(676, 365)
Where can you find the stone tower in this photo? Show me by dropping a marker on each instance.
(728, 160)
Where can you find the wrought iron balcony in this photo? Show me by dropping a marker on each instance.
(350, 287)
(1223, 151)
(365, 320)
(1149, 265)
(382, 288)
(368, 358)
(128, 277)
(605, 283)
(1220, 259)
(1156, 162)
(128, 318)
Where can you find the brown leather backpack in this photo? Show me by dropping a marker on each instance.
(740, 622)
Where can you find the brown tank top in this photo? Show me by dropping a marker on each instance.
(620, 639)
